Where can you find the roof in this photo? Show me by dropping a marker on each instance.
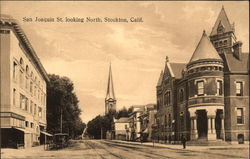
(122, 120)
(8, 22)
(110, 90)
(205, 50)
(177, 69)
(222, 20)
(160, 79)
(236, 65)
(138, 108)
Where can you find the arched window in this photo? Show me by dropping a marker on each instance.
(21, 62)
(31, 74)
(225, 42)
(220, 43)
(27, 69)
(216, 44)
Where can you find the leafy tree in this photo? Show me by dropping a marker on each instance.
(124, 112)
(61, 98)
(102, 124)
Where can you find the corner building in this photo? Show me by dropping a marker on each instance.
(206, 99)
(23, 88)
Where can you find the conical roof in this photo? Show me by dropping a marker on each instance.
(204, 50)
(160, 79)
(110, 89)
(222, 20)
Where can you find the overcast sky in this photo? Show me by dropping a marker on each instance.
(83, 51)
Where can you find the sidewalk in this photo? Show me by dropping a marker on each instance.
(191, 147)
(13, 153)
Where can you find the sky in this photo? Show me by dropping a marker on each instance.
(137, 51)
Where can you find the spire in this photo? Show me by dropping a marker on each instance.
(204, 50)
(222, 21)
(110, 89)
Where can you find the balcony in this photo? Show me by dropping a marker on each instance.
(206, 100)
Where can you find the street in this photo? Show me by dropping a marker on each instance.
(105, 149)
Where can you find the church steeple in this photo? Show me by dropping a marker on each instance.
(110, 100)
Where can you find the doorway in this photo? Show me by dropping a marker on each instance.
(202, 123)
(218, 124)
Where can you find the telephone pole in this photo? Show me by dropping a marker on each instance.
(61, 120)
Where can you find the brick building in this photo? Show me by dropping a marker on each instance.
(23, 88)
(206, 99)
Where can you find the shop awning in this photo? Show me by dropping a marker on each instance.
(45, 133)
(23, 130)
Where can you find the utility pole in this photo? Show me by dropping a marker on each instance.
(101, 133)
(61, 120)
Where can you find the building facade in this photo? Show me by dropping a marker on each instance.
(110, 100)
(121, 128)
(206, 99)
(23, 88)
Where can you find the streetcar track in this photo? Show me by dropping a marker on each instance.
(101, 147)
(129, 148)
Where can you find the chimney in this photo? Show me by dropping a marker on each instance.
(237, 50)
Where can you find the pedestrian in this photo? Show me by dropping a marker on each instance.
(183, 140)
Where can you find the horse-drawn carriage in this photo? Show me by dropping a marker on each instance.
(60, 140)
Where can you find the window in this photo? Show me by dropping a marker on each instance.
(21, 62)
(225, 42)
(165, 120)
(39, 111)
(31, 87)
(14, 70)
(181, 95)
(200, 88)
(239, 88)
(35, 91)
(26, 123)
(240, 116)
(216, 44)
(32, 125)
(14, 96)
(35, 109)
(27, 69)
(21, 78)
(219, 87)
(22, 101)
(167, 98)
(169, 120)
(38, 95)
(220, 43)
(31, 107)
(26, 82)
(26, 104)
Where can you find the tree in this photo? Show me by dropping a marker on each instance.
(62, 99)
(124, 112)
(102, 124)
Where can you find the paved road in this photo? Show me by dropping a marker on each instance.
(103, 149)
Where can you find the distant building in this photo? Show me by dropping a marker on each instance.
(147, 119)
(206, 99)
(135, 123)
(121, 128)
(110, 100)
(140, 122)
(23, 88)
